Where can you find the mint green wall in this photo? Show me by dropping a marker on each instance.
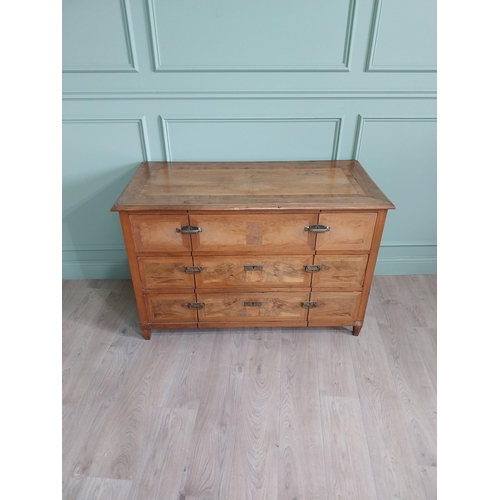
(247, 80)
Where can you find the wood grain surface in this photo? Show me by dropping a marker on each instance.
(249, 413)
(416, 389)
(254, 472)
(285, 271)
(97, 488)
(334, 307)
(170, 307)
(302, 458)
(210, 456)
(230, 186)
(166, 272)
(349, 231)
(253, 234)
(393, 461)
(344, 437)
(429, 477)
(158, 233)
(270, 306)
(340, 271)
(335, 367)
(129, 420)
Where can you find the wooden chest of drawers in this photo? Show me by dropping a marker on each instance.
(252, 244)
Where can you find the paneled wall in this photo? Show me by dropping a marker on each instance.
(247, 80)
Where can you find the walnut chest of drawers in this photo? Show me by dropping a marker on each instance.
(252, 244)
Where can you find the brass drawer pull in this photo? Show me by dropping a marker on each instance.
(189, 229)
(253, 268)
(193, 269)
(317, 228)
(196, 305)
(252, 304)
(309, 305)
(313, 269)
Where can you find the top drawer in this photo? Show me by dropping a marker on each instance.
(348, 231)
(253, 234)
(158, 233)
(247, 234)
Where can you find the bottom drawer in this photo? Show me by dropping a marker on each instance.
(334, 308)
(170, 308)
(252, 307)
(329, 308)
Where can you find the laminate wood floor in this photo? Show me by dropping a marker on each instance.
(284, 413)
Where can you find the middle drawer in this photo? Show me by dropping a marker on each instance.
(253, 272)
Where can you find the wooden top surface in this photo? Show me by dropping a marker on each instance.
(286, 185)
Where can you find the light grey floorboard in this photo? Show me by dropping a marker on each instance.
(347, 458)
(212, 445)
(97, 488)
(429, 478)
(425, 339)
(254, 473)
(395, 469)
(257, 413)
(302, 458)
(124, 434)
(417, 394)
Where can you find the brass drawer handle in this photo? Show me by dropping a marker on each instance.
(317, 228)
(309, 305)
(253, 268)
(196, 305)
(193, 269)
(313, 269)
(189, 229)
(252, 304)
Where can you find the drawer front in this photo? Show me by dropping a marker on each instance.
(335, 308)
(166, 272)
(252, 307)
(348, 231)
(253, 271)
(170, 308)
(252, 234)
(158, 233)
(340, 271)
